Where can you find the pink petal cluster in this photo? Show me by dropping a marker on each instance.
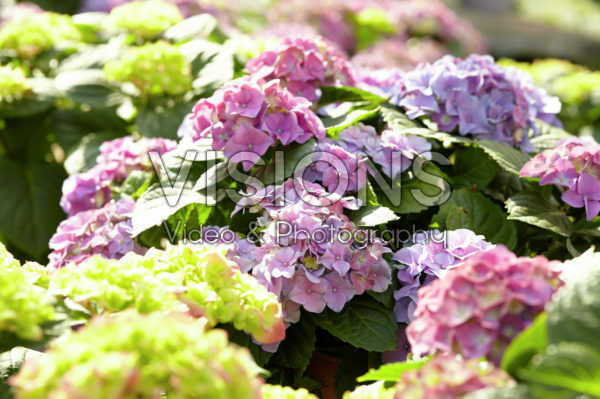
(310, 253)
(479, 307)
(450, 377)
(575, 165)
(248, 115)
(392, 151)
(303, 64)
(105, 231)
(430, 256)
(118, 158)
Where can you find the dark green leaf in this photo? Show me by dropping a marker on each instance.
(472, 210)
(162, 119)
(89, 86)
(353, 365)
(296, 350)
(29, 210)
(364, 323)
(11, 361)
(82, 156)
(289, 162)
(531, 208)
(508, 158)
(473, 168)
(212, 65)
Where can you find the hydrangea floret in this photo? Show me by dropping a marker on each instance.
(142, 356)
(156, 69)
(37, 33)
(145, 19)
(381, 149)
(303, 64)
(24, 307)
(450, 376)
(197, 279)
(117, 159)
(475, 96)
(429, 257)
(310, 253)
(106, 231)
(248, 116)
(13, 84)
(573, 164)
(479, 307)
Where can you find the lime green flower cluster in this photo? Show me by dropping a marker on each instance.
(40, 32)
(155, 69)
(376, 390)
(196, 279)
(23, 305)
(145, 19)
(577, 87)
(141, 356)
(13, 84)
(280, 392)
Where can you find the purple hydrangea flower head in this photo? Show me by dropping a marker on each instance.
(106, 231)
(476, 96)
(303, 64)
(310, 253)
(249, 115)
(575, 165)
(118, 158)
(479, 307)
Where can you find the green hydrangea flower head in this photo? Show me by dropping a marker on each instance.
(195, 279)
(141, 356)
(281, 392)
(13, 84)
(23, 305)
(145, 19)
(30, 36)
(154, 68)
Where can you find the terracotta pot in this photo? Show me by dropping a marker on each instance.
(323, 367)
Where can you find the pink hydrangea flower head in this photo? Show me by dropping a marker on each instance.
(450, 376)
(106, 231)
(480, 306)
(117, 159)
(249, 115)
(575, 165)
(303, 64)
